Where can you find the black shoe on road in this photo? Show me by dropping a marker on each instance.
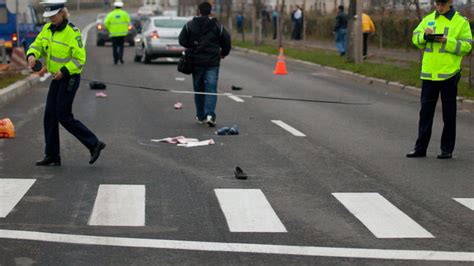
(49, 161)
(416, 154)
(95, 152)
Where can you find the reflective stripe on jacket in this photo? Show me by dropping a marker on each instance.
(117, 22)
(441, 61)
(61, 48)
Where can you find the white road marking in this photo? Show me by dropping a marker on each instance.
(85, 32)
(235, 98)
(119, 205)
(289, 128)
(468, 202)
(247, 210)
(179, 79)
(11, 192)
(389, 254)
(382, 218)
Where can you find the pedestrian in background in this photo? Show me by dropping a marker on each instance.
(275, 16)
(368, 28)
(60, 43)
(208, 42)
(239, 19)
(297, 18)
(340, 30)
(265, 19)
(440, 72)
(116, 22)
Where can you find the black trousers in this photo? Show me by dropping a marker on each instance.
(430, 91)
(117, 48)
(365, 44)
(59, 111)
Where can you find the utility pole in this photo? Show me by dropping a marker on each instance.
(17, 9)
(358, 33)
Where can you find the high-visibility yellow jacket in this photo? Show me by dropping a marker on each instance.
(62, 48)
(441, 61)
(367, 24)
(116, 22)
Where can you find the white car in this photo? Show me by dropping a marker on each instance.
(159, 38)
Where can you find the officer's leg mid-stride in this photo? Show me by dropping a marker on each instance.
(59, 111)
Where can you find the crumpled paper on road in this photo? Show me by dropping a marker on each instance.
(182, 141)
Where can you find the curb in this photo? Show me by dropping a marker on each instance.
(360, 78)
(348, 74)
(17, 89)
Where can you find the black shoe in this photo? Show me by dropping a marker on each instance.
(115, 62)
(49, 161)
(416, 154)
(210, 121)
(445, 155)
(239, 173)
(95, 152)
(121, 61)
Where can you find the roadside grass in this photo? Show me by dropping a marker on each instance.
(407, 74)
(7, 79)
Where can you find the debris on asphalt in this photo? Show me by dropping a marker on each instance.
(178, 105)
(235, 88)
(100, 94)
(7, 130)
(179, 79)
(96, 85)
(223, 131)
(182, 141)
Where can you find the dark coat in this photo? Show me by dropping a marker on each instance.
(207, 40)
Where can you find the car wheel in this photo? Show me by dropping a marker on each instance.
(146, 57)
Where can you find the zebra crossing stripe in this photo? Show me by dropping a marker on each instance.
(247, 210)
(289, 128)
(382, 218)
(119, 205)
(468, 202)
(11, 192)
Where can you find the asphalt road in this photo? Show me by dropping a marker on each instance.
(189, 196)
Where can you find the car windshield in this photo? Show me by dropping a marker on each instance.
(170, 23)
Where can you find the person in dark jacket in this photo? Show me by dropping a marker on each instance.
(207, 42)
(340, 29)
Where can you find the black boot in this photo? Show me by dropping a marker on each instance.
(49, 161)
(95, 152)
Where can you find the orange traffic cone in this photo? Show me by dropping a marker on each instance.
(280, 68)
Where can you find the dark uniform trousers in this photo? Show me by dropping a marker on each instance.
(430, 91)
(59, 110)
(117, 48)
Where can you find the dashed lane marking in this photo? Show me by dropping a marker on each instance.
(235, 98)
(289, 128)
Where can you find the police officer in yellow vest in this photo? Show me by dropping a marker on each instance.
(116, 22)
(60, 44)
(445, 36)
